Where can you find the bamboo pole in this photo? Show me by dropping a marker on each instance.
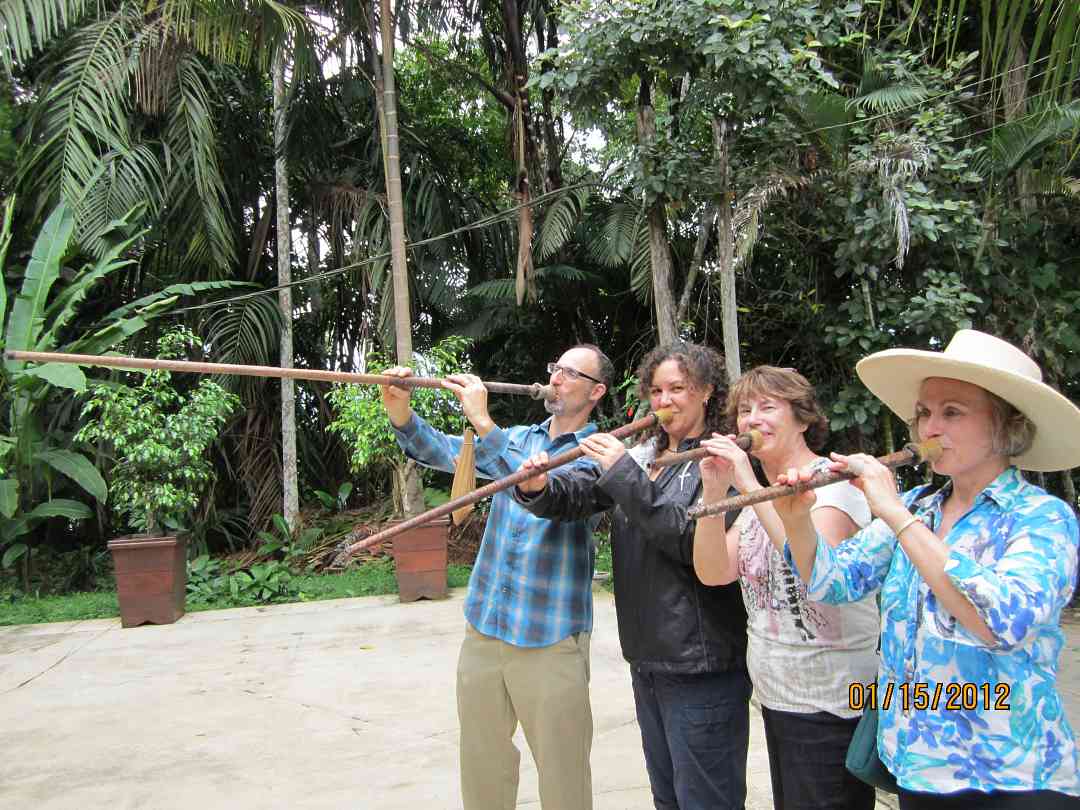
(911, 454)
(637, 426)
(535, 390)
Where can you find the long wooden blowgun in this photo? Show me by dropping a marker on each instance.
(637, 426)
(911, 454)
(747, 442)
(535, 390)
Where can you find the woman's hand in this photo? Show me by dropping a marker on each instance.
(716, 477)
(794, 510)
(531, 486)
(603, 448)
(874, 479)
(738, 462)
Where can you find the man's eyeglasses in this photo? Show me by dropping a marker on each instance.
(569, 373)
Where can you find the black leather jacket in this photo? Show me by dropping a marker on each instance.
(668, 620)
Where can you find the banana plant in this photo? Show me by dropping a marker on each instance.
(31, 457)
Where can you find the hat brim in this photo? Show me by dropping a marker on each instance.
(894, 377)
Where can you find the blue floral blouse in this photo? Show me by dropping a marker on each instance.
(956, 714)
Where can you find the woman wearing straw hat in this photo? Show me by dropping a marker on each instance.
(973, 578)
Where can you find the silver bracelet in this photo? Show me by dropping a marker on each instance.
(907, 523)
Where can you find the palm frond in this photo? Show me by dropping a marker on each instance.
(245, 332)
(491, 320)
(238, 31)
(260, 464)
(130, 180)
(497, 289)
(618, 234)
(897, 203)
(897, 160)
(881, 92)
(197, 191)
(154, 303)
(1018, 142)
(560, 221)
(27, 26)
(641, 266)
(826, 117)
(83, 114)
(552, 273)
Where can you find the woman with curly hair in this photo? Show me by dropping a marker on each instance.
(809, 719)
(685, 641)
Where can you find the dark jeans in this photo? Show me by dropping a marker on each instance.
(806, 762)
(695, 730)
(1000, 800)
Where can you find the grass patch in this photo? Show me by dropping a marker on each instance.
(371, 579)
(18, 609)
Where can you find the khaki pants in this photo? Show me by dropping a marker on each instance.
(546, 689)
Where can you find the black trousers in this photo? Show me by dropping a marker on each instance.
(695, 731)
(806, 762)
(977, 800)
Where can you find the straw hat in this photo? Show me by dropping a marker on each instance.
(894, 377)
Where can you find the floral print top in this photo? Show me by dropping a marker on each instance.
(955, 713)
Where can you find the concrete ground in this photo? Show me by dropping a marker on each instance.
(340, 704)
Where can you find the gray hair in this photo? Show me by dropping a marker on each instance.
(1014, 433)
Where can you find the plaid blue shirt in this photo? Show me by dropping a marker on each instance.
(531, 585)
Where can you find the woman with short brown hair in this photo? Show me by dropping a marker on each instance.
(803, 657)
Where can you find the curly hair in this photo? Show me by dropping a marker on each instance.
(786, 384)
(702, 366)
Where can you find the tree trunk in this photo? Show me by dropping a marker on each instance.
(708, 220)
(291, 506)
(729, 313)
(667, 326)
(1015, 98)
(413, 497)
(313, 259)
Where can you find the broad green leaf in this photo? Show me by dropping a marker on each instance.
(60, 507)
(13, 554)
(143, 305)
(78, 468)
(60, 313)
(9, 496)
(64, 375)
(27, 312)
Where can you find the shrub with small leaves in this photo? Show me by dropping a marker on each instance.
(361, 420)
(160, 439)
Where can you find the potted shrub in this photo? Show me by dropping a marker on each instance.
(420, 554)
(160, 439)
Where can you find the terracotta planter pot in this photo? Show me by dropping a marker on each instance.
(151, 578)
(420, 560)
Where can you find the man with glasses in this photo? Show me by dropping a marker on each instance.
(528, 609)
